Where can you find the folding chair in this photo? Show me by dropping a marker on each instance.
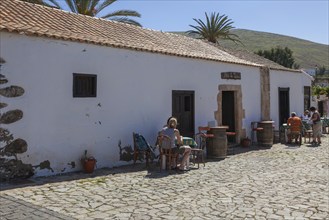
(142, 148)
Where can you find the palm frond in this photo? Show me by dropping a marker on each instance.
(122, 13)
(105, 4)
(127, 21)
(55, 3)
(214, 28)
(73, 5)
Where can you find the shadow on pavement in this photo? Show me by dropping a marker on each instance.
(153, 171)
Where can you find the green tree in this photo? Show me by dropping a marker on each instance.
(296, 66)
(215, 27)
(319, 90)
(321, 70)
(93, 8)
(282, 56)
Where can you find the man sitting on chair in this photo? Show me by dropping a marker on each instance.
(295, 125)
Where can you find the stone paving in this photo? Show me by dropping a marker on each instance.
(284, 182)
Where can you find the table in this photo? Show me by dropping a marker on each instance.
(189, 141)
(265, 136)
(306, 130)
(217, 146)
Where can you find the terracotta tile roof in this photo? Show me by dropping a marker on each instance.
(31, 19)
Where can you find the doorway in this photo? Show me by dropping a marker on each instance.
(231, 96)
(284, 103)
(320, 107)
(228, 112)
(183, 110)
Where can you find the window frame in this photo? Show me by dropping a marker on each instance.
(84, 85)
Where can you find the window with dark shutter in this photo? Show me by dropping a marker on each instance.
(84, 85)
(307, 97)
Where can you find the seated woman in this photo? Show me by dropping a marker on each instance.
(306, 116)
(295, 127)
(171, 131)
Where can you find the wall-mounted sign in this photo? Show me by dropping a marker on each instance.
(230, 75)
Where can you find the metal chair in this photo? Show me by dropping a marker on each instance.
(307, 131)
(297, 136)
(230, 147)
(254, 130)
(325, 125)
(197, 153)
(204, 131)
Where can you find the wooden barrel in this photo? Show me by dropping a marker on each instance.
(265, 136)
(217, 146)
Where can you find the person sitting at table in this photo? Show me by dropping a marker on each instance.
(316, 125)
(295, 127)
(306, 116)
(171, 131)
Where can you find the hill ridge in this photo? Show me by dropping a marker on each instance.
(307, 54)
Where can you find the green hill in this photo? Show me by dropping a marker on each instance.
(306, 53)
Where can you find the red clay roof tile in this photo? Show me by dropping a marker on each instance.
(32, 19)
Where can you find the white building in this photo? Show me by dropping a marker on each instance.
(310, 71)
(90, 83)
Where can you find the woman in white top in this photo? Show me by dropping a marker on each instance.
(306, 115)
(171, 131)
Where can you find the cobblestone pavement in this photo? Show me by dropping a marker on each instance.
(284, 182)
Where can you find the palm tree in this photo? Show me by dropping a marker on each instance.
(93, 8)
(216, 27)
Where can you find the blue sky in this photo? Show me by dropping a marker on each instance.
(305, 19)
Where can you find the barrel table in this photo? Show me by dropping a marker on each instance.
(265, 136)
(217, 145)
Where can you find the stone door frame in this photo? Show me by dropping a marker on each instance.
(238, 110)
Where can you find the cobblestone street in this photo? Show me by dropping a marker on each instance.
(284, 182)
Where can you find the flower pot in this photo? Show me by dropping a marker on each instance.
(89, 165)
(246, 142)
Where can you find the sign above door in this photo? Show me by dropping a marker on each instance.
(230, 75)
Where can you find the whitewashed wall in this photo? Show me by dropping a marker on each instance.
(133, 95)
(295, 81)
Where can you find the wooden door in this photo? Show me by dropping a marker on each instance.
(183, 110)
(284, 103)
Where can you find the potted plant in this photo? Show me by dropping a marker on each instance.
(88, 163)
(245, 142)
